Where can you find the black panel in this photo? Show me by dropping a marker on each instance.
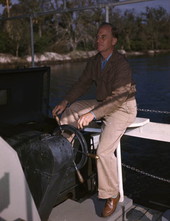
(24, 95)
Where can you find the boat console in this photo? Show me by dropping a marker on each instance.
(55, 169)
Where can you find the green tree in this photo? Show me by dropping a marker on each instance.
(70, 31)
(17, 30)
(155, 20)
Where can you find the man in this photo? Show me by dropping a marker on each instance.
(115, 104)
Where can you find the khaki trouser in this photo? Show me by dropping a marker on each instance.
(114, 126)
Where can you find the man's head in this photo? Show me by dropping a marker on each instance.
(106, 39)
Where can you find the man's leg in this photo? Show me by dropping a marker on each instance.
(74, 111)
(114, 127)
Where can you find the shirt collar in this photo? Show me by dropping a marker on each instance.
(107, 57)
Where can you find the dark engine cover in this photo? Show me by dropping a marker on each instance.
(46, 161)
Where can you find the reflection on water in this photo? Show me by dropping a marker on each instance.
(63, 76)
(152, 78)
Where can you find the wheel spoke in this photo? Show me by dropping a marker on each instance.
(78, 143)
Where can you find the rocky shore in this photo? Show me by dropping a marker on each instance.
(7, 60)
(44, 59)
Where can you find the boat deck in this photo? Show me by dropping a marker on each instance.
(138, 212)
(90, 210)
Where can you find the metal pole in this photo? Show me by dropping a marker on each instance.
(32, 41)
(64, 4)
(59, 11)
(120, 176)
(107, 13)
(7, 7)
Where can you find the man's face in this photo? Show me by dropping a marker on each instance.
(105, 41)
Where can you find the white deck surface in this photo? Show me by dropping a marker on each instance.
(88, 210)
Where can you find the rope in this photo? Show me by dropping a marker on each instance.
(153, 111)
(145, 173)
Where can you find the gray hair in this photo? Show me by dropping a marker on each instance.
(113, 28)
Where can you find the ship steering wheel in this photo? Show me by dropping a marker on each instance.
(78, 143)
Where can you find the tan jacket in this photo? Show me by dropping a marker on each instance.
(113, 85)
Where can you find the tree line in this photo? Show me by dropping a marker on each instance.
(76, 30)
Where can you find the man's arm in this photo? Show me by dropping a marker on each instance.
(58, 109)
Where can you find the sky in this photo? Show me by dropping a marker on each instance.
(139, 7)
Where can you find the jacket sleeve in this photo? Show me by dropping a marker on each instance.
(121, 89)
(81, 86)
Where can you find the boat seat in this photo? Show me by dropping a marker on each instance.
(97, 129)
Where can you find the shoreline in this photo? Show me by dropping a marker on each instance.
(51, 58)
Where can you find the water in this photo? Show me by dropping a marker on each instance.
(152, 78)
(62, 78)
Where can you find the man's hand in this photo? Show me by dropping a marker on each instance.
(85, 119)
(59, 108)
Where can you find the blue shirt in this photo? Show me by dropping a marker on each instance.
(105, 61)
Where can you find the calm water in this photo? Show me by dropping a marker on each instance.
(152, 78)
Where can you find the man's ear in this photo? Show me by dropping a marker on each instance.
(114, 41)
